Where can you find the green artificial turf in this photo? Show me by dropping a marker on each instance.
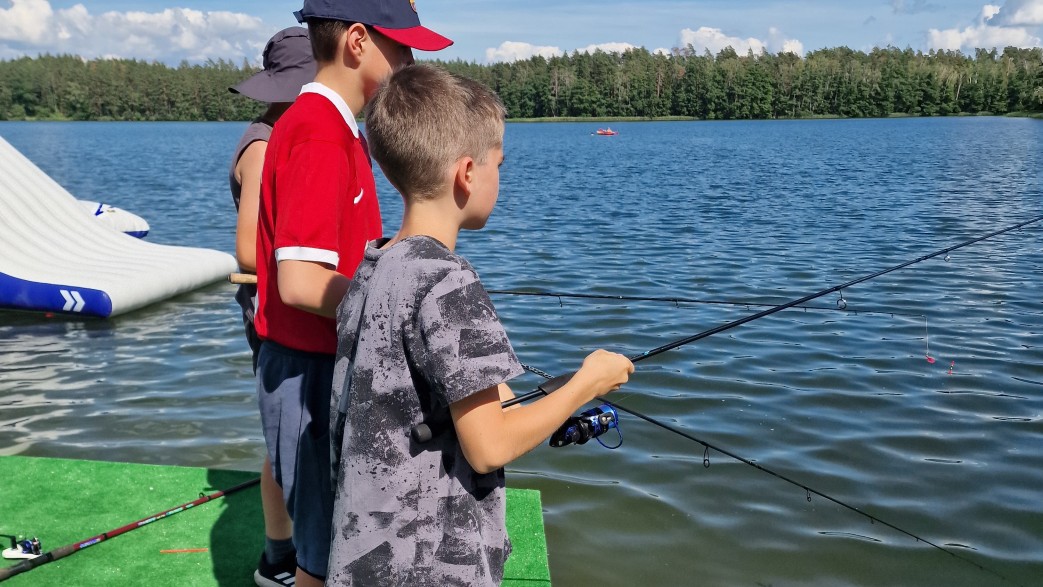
(65, 502)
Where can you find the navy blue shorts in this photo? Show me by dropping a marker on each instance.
(293, 391)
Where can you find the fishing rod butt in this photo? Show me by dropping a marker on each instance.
(8, 572)
(422, 433)
(26, 565)
(431, 427)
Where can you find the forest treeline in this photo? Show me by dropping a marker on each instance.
(636, 83)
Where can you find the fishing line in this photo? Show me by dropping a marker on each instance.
(677, 301)
(64, 551)
(560, 380)
(841, 307)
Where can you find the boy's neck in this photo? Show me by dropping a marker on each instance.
(436, 218)
(345, 82)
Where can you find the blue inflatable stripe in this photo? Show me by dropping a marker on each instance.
(22, 294)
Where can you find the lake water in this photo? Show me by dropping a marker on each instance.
(843, 402)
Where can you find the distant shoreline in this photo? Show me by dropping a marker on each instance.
(1037, 115)
(609, 119)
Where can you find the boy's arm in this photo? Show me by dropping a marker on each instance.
(491, 437)
(505, 394)
(249, 169)
(311, 286)
(314, 178)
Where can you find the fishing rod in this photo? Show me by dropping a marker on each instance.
(64, 551)
(677, 301)
(556, 382)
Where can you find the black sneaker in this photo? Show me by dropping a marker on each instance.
(282, 574)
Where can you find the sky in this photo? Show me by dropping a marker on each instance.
(484, 31)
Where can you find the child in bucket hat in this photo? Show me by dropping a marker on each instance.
(318, 209)
(288, 65)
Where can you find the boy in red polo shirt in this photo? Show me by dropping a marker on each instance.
(318, 210)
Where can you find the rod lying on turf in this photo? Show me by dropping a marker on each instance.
(64, 551)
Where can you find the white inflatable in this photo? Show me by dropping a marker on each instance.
(55, 258)
(117, 218)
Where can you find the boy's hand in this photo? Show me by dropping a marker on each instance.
(605, 371)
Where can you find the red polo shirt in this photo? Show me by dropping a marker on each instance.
(318, 203)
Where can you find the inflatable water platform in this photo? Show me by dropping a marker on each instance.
(55, 258)
(116, 218)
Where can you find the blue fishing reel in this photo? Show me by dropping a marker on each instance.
(589, 424)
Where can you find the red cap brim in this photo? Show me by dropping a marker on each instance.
(418, 37)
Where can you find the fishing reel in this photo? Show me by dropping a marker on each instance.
(589, 424)
(28, 548)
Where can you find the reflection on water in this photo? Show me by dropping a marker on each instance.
(762, 213)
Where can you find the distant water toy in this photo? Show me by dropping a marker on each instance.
(55, 258)
(117, 218)
(606, 132)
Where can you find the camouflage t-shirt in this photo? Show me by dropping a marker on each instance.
(416, 332)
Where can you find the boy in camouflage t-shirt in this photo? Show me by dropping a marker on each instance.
(419, 340)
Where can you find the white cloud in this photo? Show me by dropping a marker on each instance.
(608, 48)
(778, 43)
(996, 27)
(517, 51)
(25, 20)
(31, 26)
(714, 40)
(1028, 13)
(987, 12)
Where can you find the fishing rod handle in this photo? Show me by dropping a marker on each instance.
(546, 388)
(242, 279)
(30, 564)
(428, 429)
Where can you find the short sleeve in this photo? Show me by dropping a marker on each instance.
(467, 349)
(311, 188)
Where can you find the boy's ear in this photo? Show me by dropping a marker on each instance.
(463, 174)
(353, 41)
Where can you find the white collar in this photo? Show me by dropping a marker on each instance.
(336, 100)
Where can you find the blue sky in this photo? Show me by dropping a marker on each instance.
(485, 31)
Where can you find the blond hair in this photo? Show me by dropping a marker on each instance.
(423, 119)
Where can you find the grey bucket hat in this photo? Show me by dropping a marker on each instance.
(288, 65)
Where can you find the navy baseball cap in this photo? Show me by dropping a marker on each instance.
(395, 19)
(288, 65)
